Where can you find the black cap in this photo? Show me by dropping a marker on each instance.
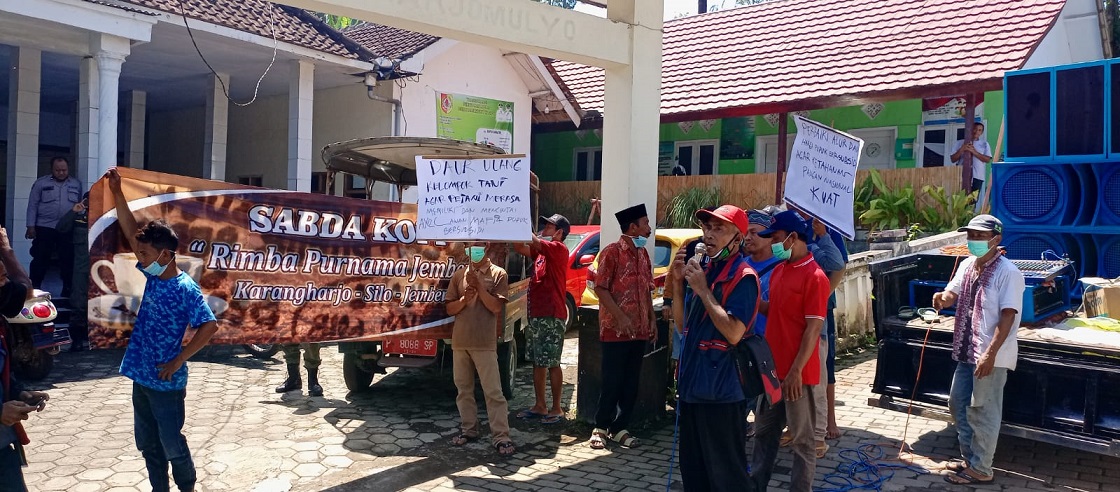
(983, 223)
(788, 221)
(632, 214)
(559, 221)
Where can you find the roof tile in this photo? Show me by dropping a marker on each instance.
(792, 50)
(390, 42)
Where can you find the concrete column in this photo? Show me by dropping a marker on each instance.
(301, 99)
(25, 76)
(136, 110)
(109, 51)
(630, 125)
(88, 114)
(217, 124)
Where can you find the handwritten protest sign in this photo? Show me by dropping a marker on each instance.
(821, 179)
(473, 198)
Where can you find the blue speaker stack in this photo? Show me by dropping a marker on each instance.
(1059, 189)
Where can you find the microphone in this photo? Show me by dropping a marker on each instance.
(701, 253)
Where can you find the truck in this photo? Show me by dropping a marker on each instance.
(1063, 391)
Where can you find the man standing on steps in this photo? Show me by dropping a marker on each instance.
(311, 362)
(50, 198)
(988, 291)
(544, 337)
(624, 284)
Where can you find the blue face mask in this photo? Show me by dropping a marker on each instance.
(979, 248)
(639, 241)
(154, 268)
(477, 253)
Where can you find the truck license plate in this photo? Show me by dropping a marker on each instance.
(425, 348)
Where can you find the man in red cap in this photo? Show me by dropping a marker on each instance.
(717, 313)
(626, 323)
(795, 315)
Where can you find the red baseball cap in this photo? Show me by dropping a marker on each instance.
(727, 213)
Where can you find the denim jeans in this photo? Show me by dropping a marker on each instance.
(977, 409)
(159, 418)
(11, 471)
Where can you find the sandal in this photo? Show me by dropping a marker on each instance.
(505, 448)
(625, 439)
(552, 419)
(956, 466)
(786, 440)
(598, 439)
(964, 478)
(462, 440)
(529, 414)
(822, 449)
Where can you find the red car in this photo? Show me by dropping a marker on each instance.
(583, 246)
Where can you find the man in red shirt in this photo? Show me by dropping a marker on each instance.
(795, 315)
(624, 284)
(544, 336)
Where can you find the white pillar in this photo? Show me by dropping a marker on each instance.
(217, 124)
(136, 110)
(88, 102)
(631, 120)
(301, 99)
(24, 82)
(110, 52)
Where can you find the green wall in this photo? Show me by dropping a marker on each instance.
(553, 152)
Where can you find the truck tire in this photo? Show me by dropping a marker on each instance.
(354, 371)
(507, 366)
(262, 350)
(572, 313)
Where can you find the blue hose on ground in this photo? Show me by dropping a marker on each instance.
(863, 469)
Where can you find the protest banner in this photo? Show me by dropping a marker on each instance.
(275, 266)
(474, 198)
(821, 178)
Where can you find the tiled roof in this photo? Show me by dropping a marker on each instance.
(120, 7)
(253, 16)
(798, 52)
(390, 42)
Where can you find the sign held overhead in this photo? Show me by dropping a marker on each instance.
(821, 180)
(474, 198)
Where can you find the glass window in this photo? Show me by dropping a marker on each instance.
(662, 253)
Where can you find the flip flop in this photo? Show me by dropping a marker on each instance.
(956, 466)
(822, 449)
(963, 478)
(625, 439)
(529, 414)
(552, 419)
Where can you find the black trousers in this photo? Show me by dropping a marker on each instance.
(976, 185)
(713, 456)
(622, 370)
(11, 472)
(48, 243)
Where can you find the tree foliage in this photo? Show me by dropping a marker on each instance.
(337, 21)
(564, 4)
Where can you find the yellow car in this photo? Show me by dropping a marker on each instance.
(665, 248)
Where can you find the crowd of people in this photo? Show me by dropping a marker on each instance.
(755, 278)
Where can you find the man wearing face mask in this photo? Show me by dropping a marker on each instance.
(988, 291)
(717, 312)
(476, 296)
(624, 283)
(156, 359)
(795, 316)
(544, 337)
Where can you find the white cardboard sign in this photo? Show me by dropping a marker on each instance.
(821, 178)
(473, 199)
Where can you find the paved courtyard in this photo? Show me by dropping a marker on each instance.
(245, 437)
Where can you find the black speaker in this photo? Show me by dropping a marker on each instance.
(1114, 92)
(1028, 115)
(1080, 111)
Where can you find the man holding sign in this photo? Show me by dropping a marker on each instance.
(544, 336)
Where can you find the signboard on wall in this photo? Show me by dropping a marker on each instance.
(821, 180)
(473, 199)
(946, 110)
(475, 119)
(666, 158)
